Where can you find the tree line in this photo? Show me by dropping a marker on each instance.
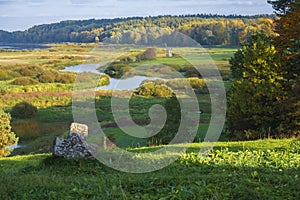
(205, 29)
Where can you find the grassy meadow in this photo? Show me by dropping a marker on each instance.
(54, 99)
(263, 169)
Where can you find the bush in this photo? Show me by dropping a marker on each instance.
(154, 89)
(24, 110)
(117, 70)
(29, 71)
(7, 138)
(13, 74)
(66, 78)
(24, 81)
(4, 75)
(104, 80)
(46, 78)
(26, 72)
(197, 84)
(149, 54)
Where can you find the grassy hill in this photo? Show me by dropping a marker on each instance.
(264, 169)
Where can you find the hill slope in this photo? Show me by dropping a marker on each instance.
(267, 169)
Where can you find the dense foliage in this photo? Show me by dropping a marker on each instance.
(7, 138)
(264, 99)
(154, 89)
(255, 99)
(288, 44)
(205, 29)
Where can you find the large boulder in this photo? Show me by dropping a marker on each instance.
(75, 145)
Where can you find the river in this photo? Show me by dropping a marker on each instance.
(115, 84)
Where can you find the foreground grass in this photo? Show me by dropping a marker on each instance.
(267, 169)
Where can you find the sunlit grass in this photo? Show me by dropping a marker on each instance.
(263, 169)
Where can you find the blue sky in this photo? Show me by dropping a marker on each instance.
(22, 14)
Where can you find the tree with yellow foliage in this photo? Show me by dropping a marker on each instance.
(7, 138)
(255, 99)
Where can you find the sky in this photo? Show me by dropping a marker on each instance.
(23, 14)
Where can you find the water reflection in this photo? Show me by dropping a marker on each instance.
(129, 83)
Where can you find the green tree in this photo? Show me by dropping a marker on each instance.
(7, 138)
(281, 6)
(287, 26)
(255, 99)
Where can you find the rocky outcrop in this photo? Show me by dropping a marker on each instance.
(75, 145)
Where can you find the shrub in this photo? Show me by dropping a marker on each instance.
(30, 71)
(14, 74)
(24, 81)
(104, 80)
(117, 70)
(66, 78)
(4, 75)
(46, 78)
(49, 76)
(154, 89)
(7, 138)
(26, 72)
(24, 110)
(197, 84)
(149, 54)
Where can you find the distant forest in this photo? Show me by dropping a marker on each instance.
(205, 29)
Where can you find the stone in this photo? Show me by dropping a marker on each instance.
(75, 145)
(81, 129)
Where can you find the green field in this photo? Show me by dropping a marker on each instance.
(265, 169)
(54, 99)
(262, 169)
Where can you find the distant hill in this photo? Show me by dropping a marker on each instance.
(205, 29)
